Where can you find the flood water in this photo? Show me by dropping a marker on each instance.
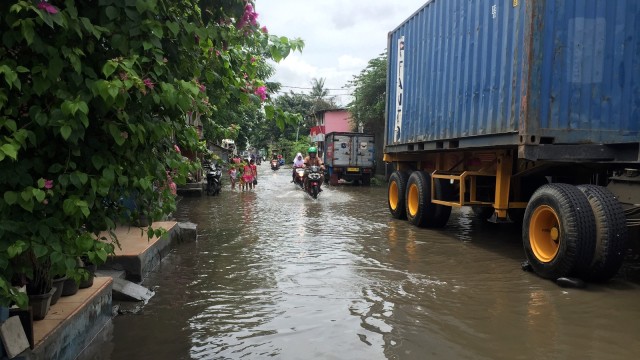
(276, 274)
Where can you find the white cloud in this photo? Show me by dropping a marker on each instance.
(340, 36)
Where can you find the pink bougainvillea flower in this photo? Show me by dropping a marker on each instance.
(217, 52)
(253, 59)
(202, 88)
(264, 30)
(261, 92)
(147, 82)
(177, 149)
(43, 5)
(48, 184)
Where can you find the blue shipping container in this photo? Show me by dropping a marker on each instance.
(512, 72)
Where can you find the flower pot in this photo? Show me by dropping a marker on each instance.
(70, 287)
(91, 269)
(40, 304)
(58, 283)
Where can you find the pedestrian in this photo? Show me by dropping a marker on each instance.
(247, 175)
(233, 174)
(242, 184)
(254, 172)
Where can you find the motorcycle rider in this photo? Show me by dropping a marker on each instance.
(313, 159)
(298, 162)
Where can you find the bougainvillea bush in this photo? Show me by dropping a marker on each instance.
(93, 101)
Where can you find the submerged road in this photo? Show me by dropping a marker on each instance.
(275, 274)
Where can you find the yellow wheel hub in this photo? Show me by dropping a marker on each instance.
(413, 197)
(393, 195)
(544, 233)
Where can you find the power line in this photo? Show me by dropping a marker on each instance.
(310, 88)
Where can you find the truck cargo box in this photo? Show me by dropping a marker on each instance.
(480, 73)
(349, 156)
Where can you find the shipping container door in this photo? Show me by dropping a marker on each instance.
(363, 150)
(342, 150)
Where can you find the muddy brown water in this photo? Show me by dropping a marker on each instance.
(275, 274)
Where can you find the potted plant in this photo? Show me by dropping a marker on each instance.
(39, 286)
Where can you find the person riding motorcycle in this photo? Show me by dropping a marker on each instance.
(298, 162)
(314, 159)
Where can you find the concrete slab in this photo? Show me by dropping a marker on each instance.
(188, 232)
(73, 322)
(13, 337)
(126, 290)
(191, 189)
(138, 255)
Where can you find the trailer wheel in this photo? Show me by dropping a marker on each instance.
(396, 194)
(611, 233)
(558, 233)
(420, 210)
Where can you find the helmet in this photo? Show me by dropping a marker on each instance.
(312, 150)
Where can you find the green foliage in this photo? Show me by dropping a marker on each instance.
(368, 105)
(93, 98)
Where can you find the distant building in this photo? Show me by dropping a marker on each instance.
(327, 121)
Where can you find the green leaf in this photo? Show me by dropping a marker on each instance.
(55, 168)
(102, 255)
(10, 197)
(27, 31)
(10, 150)
(97, 161)
(112, 12)
(69, 207)
(84, 243)
(39, 194)
(116, 134)
(40, 250)
(109, 68)
(57, 257)
(65, 131)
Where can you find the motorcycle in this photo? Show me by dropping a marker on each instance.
(214, 174)
(312, 181)
(275, 164)
(298, 177)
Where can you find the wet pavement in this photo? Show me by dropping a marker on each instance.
(276, 274)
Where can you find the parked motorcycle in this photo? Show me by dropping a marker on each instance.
(312, 181)
(275, 164)
(298, 177)
(214, 174)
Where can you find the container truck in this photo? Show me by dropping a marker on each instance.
(527, 111)
(349, 156)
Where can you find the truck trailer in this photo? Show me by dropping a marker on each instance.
(349, 156)
(527, 111)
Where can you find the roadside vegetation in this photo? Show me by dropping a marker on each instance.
(97, 103)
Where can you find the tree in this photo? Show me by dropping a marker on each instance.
(320, 96)
(93, 101)
(368, 105)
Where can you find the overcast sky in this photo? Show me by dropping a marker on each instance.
(340, 36)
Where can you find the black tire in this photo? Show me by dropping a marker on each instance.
(611, 233)
(396, 194)
(419, 208)
(558, 233)
(314, 191)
